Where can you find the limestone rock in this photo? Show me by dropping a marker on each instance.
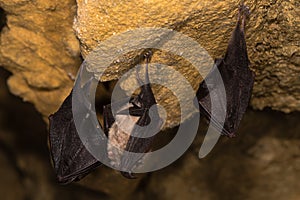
(9, 176)
(274, 50)
(272, 38)
(39, 47)
(262, 163)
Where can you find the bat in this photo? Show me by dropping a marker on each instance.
(72, 161)
(238, 81)
(139, 112)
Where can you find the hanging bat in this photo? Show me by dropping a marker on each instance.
(238, 80)
(71, 159)
(139, 113)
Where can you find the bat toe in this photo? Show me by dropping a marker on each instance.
(128, 175)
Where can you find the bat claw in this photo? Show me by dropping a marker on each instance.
(148, 55)
(244, 10)
(231, 135)
(147, 58)
(244, 13)
(128, 175)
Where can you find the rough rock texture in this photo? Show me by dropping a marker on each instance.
(274, 50)
(39, 47)
(272, 35)
(253, 166)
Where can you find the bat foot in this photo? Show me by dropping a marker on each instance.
(228, 133)
(244, 13)
(231, 135)
(148, 55)
(128, 175)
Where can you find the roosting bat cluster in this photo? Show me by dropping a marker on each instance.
(72, 160)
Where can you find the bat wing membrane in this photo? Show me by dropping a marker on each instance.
(71, 159)
(237, 80)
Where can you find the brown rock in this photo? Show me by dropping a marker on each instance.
(262, 163)
(12, 186)
(271, 36)
(39, 47)
(184, 180)
(111, 183)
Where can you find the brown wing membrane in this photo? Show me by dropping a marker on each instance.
(139, 111)
(237, 78)
(70, 158)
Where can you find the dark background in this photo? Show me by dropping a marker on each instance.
(263, 162)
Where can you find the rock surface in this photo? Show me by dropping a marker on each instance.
(272, 36)
(39, 46)
(255, 165)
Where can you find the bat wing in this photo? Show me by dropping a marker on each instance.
(125, 139)
(237, 79)
(138, 145)
(138, 113)
(108, 118)
(121, 138)
(71, 159)
(211, 90)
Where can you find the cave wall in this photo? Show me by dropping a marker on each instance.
(39, 47)
(39, 44)
(263, 162)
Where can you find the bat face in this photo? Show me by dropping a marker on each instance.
(70, 158)
(238, 80)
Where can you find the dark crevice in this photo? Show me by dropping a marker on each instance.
(11, 157)
(3, 19)
(22, 120)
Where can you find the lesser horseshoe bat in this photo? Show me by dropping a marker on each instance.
(72, 160)
(237, 78)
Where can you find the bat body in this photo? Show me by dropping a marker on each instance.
(237, 78)
(139, 113)
(72, 161)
